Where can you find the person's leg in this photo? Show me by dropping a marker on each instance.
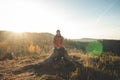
(62, 48)
(56, 50)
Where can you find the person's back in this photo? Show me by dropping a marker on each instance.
(58, 40)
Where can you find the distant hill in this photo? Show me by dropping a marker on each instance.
(5, 35)
(85, 39)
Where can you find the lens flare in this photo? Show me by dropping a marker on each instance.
(94, 48)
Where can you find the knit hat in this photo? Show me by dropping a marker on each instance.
(58, 31)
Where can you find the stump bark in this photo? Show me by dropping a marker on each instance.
(58, 61)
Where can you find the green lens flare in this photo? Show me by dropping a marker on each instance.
(94, 48)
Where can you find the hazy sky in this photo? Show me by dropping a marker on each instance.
(75, 18)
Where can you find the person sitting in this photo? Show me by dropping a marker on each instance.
(58, 41)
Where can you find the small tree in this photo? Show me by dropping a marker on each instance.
(3, 49)
(31, 48)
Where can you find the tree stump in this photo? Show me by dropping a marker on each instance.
(58, 61)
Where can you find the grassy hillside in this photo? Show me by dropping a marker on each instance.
(24, 43)
(28, 43)
(32, 48)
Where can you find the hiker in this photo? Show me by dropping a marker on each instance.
(58, 41)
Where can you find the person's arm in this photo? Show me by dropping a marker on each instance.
(53, 41)
(62, 44)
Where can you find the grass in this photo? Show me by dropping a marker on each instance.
(104, 67)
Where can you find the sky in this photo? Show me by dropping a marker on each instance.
(75, 18)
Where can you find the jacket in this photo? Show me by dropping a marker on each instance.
(58, 41)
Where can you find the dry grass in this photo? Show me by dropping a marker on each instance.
(105, 65)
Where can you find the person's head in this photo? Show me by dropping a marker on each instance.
(58, 32)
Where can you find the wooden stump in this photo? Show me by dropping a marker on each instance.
(58, 61)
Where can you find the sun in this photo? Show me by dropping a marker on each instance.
(23, 29)
(18, 31)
